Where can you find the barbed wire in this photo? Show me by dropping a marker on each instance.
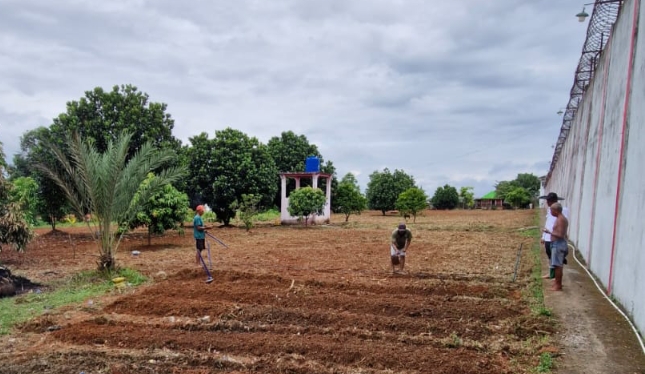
(603, 17)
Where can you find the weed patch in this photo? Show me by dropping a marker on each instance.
(546, 363)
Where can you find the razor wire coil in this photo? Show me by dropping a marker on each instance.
(603, 17)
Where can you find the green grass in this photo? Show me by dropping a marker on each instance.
(546, 363)
(531, 233)
(536, 293)
(269, 215)
(76, 289)
(536, 288)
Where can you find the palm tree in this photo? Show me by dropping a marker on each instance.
(104, 184)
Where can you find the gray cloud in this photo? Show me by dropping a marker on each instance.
(462, 92)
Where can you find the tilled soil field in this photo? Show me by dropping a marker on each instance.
(321, 299)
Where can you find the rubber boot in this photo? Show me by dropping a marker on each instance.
(551, 273)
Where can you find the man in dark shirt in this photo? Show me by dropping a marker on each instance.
(401, 239)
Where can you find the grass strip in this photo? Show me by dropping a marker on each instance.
(75, 289)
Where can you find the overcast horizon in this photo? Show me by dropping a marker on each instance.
(464, 94)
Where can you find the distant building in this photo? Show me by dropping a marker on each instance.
(489, 201)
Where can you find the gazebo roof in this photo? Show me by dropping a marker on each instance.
(304, 174)
(489, 196)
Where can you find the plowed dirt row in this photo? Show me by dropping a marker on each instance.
(294, 300)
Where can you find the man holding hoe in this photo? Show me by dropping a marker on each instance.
(199, 232)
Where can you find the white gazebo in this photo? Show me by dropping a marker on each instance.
(288, 219)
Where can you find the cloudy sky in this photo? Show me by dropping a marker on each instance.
(463, 92)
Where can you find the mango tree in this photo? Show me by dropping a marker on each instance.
(306, 201)
(411, 202)
(164, 210)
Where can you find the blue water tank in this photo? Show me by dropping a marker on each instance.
(312, 164)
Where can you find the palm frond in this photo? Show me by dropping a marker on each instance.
(106, 183)
(70, 177)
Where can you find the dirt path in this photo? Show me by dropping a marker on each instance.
(594, 337)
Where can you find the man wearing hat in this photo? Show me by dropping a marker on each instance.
(401, 239)
(551, 199)
(199, 232)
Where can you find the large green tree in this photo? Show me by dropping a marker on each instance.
(14, 229)
(165, 210)
(349, 199)
(101, 116)
(445, 197)
(105, 183)
(467, 196)
(25, 193)
(530, 182)
(228, 166)
(49, 206)
(518, 197)
(289, 152)
(504, 187)
(411, 202)
(384, 189)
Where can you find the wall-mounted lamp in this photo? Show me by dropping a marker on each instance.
(582, 15)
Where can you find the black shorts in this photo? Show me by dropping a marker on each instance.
(200, 244)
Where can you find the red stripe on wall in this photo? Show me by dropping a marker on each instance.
(628, 91)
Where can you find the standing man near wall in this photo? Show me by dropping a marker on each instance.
(551, 199)
(559, 244)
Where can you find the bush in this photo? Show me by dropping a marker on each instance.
(208, 216)
(306, 201)
(247, 209)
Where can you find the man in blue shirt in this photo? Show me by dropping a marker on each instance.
(199, 232)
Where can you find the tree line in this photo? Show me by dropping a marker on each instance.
(113, 158)
(519, 192)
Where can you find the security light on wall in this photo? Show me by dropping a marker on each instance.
(582, 15)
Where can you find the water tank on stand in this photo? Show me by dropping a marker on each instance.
(312, 164)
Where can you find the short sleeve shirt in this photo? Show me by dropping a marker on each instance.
(197, 221)
(400, 239)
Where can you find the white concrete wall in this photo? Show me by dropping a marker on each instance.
(590, 169)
